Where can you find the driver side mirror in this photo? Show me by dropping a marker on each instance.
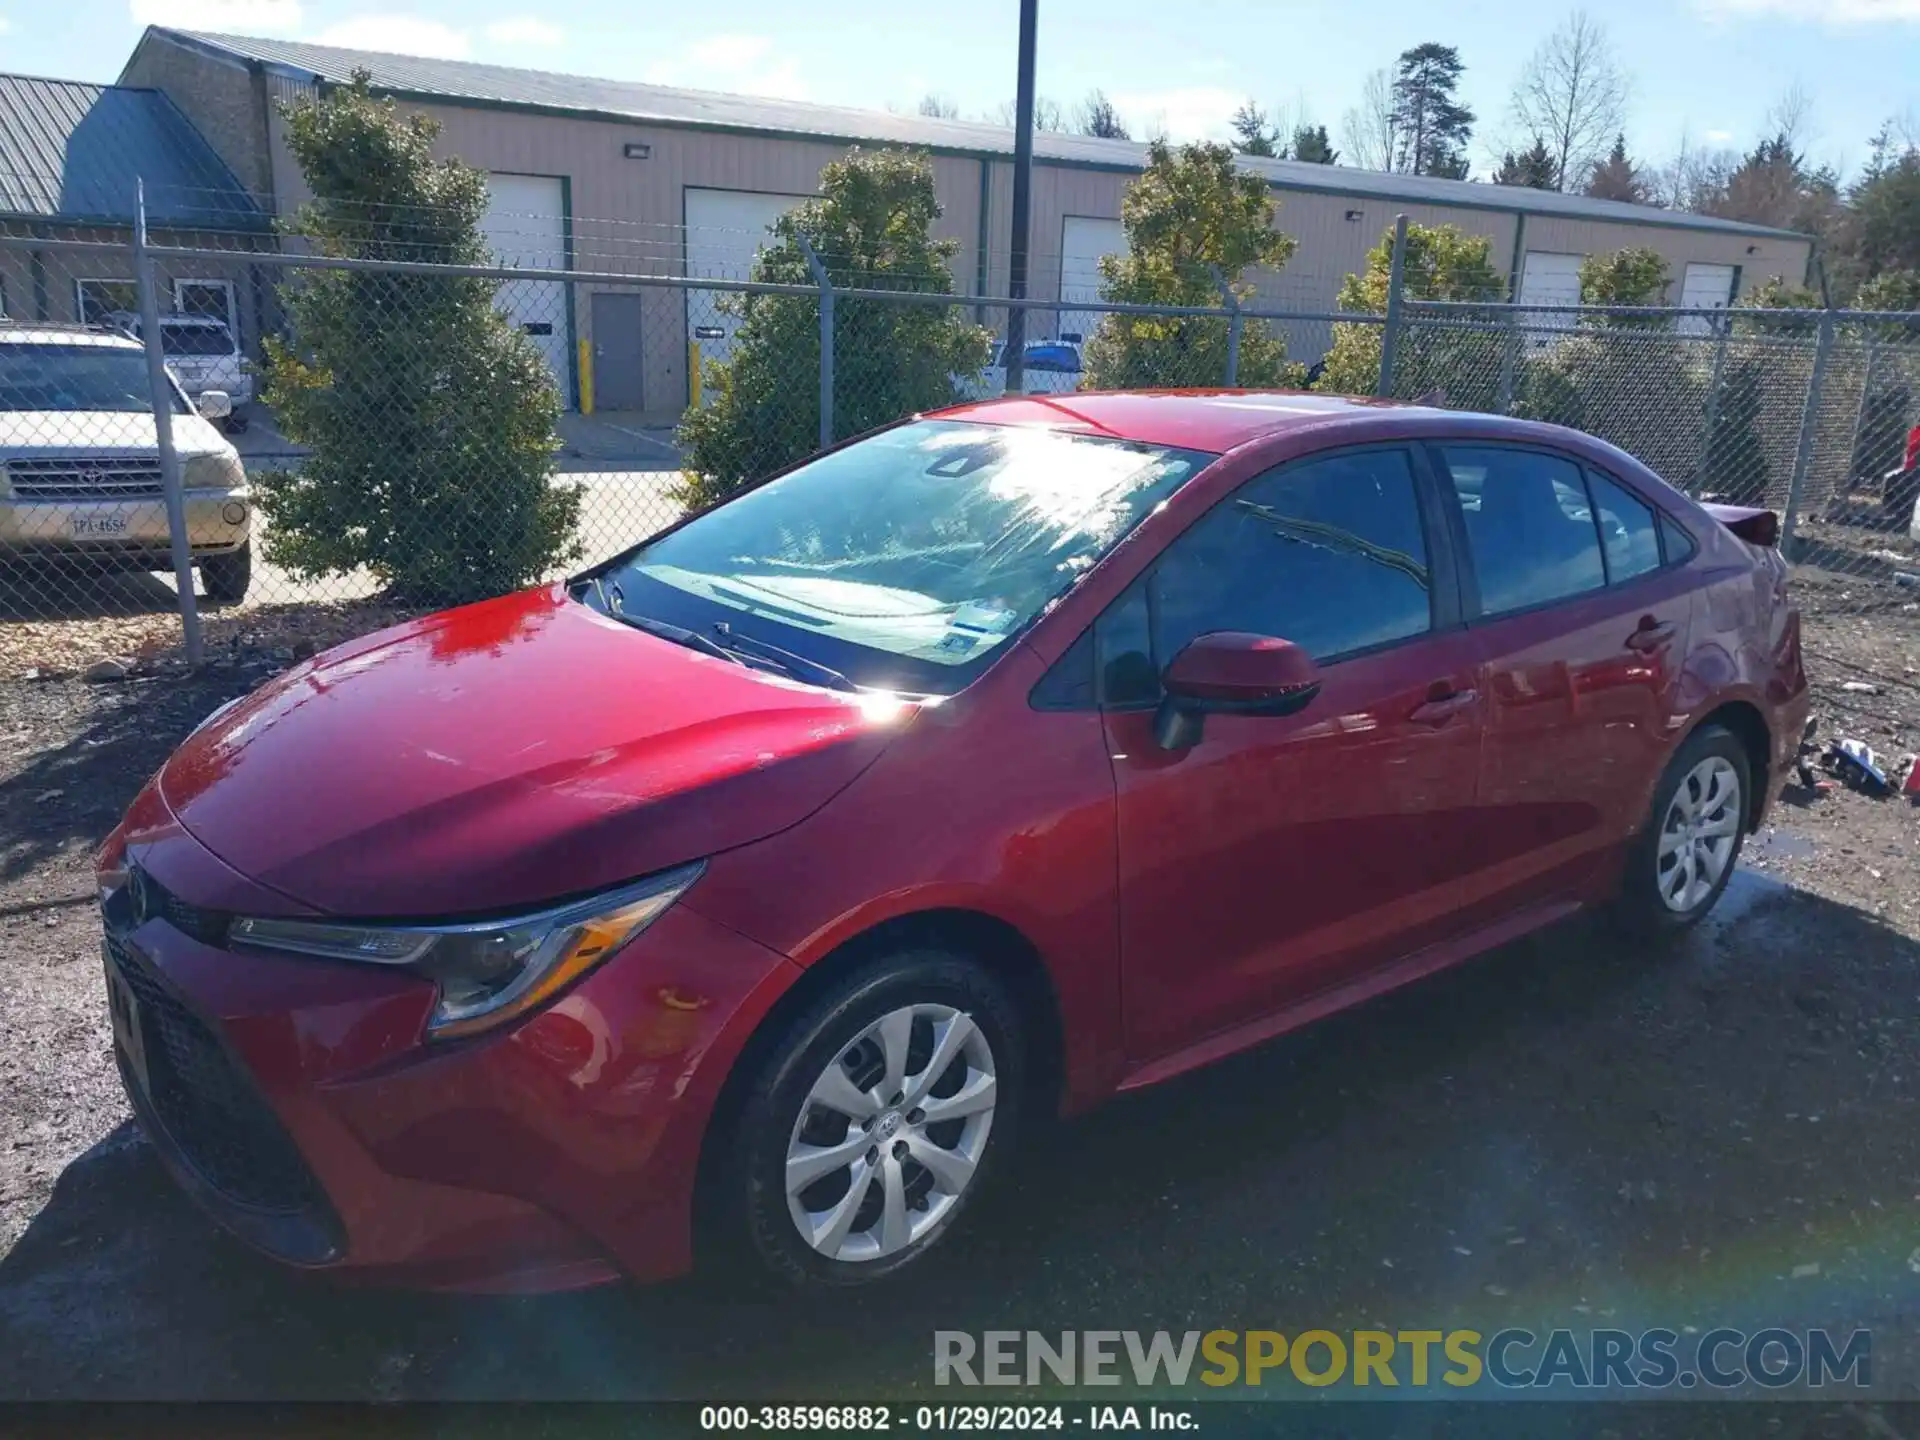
(1234, 673)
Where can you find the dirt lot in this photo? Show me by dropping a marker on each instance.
(1563, 1133)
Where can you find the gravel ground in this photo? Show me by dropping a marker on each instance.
(1565, 1132)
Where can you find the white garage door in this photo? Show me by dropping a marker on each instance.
(725, 230)
(526, 225)
(1549, 279)
(1082, 242)
(1706, 287)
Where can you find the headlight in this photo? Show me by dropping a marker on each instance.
(491, 971)
(212, 472)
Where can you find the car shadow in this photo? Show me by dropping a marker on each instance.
(1568, 1131)
(80, 591)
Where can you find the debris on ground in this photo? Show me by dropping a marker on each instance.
(1854, 763)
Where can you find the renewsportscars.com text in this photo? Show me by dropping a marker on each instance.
(1514, 1359)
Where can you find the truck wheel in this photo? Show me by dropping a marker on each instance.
(228, 576)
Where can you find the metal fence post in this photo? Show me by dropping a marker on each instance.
(1809, 429)
(1699, 478)
(1390, 335)
(821, 278)
(1509, 359)
(161, 393)
(1232, 302)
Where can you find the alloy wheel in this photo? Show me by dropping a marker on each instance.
(891, 1134)
(1698, 833)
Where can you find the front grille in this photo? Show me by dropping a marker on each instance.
(212, 1115)
(85, 478)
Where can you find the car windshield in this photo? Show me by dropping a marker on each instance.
(76, 377)
(196, 339)
(906, 559)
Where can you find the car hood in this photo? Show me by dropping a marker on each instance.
(108, 432)
(506, 754)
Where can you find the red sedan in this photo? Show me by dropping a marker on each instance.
(747, 892)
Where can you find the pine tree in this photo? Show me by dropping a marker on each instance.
(1310, 144)
(1252, 134)
(1432, 125)
(1532, 169)
(1618, 178)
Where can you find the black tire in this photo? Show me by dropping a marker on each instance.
(235, 424)
(227, 576)
(750, 1193)
(1641, 909)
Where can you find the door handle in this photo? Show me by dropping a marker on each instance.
(1652, 635)
(1441, 708)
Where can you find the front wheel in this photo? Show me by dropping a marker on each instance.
(1683, 858)
(875, 1120)
(227, 576)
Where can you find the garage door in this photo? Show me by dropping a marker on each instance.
(1083, 240)
(725, 230)
(1706, 287)
(526, 225)
(1549, 279)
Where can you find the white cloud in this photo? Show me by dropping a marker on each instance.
(237, 17)
(5, 25)
(1187, 112)
(745, 64)
(527, 30)
(1718, 137)
(398, 35)
(1827, 12)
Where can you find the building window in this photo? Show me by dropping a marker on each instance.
(96, 300)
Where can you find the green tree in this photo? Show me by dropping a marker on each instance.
(1432, 125)
(1442, 263)
(1189, 214)
(1618, 178)
(1883, 228)
(1311, 144)
(1533, 168)
(871, 228)
(1735, 465)
(1097, 117)
(429, 417)
(1252, 134)
(1891, 290)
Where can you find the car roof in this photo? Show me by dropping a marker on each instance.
(30, 335)
(1214, 420)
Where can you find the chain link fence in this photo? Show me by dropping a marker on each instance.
(320, 496)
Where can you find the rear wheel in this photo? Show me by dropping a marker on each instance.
(875, 1120)
(227, 576)
(1684, 856)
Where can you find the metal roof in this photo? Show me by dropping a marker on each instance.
(74, 151)
(468, 82)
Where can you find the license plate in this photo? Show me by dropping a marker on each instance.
(99, 525)
(128, 1037)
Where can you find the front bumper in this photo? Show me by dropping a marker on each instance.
(217, 521)
(559, 1152)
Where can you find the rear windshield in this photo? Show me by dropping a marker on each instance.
(206, 339)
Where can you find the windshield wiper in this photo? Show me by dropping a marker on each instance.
(798, 666)
(692, 639)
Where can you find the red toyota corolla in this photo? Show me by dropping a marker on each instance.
(748, 891)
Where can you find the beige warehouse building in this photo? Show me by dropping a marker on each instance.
(606, 175)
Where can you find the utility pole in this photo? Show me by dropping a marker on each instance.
(1022, 199)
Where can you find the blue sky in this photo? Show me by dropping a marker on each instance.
(1710, 68)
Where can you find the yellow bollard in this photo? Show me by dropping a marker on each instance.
(693, 374)
(586, 379)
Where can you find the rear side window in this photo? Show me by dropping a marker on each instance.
(1677, 544)
(1529, 526)
(1329, 554)
(1629, 534)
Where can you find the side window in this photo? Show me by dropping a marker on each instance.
(1628, 532)
(1677, 544)
(1328, 553)
(1529, 525)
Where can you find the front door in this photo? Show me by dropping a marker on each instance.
(1582, 628)
(1281, 855)
(616, 350)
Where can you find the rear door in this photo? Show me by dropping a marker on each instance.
(1281, 855)
(1582, 625)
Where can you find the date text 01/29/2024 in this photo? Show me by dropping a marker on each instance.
(954, 1418)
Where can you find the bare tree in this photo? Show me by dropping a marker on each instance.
(1097, 117)
(1573, 96)
(1369, 130)
(939, 107)
(1047, 114)
(1695, 178)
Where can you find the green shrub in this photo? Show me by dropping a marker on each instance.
(1442, 263)
(871, 228)
(430, 417)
